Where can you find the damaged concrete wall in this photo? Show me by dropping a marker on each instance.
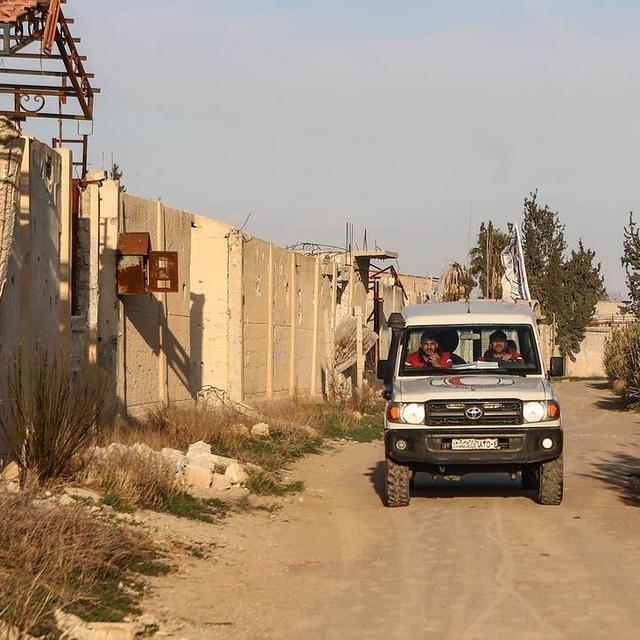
(211, 291)
(251, 318)
(287, 304)
(34, 309)
(155, 328)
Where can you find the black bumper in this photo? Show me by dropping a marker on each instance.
(432, 446)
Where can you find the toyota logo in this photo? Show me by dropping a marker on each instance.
(474, 413)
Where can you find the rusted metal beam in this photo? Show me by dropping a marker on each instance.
(51, 26)
(37, 56)
(40, 72)
(49, 90)
(23, 115)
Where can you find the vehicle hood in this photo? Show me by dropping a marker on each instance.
(472, 387)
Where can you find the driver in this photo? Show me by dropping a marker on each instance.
(429, 355)
(500, 349)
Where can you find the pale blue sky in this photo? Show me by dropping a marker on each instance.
(397, 116)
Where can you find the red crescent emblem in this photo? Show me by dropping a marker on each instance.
(455, 382)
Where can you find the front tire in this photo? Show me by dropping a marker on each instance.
(397, 484)
(551, 482)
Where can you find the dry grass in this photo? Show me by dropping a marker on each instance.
(53, 556)
(129, 477)
(175, 426)
(226, 431)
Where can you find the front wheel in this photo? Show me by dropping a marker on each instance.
(397, 484)
(551, 482)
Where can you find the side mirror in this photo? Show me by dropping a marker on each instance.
(382, 369)
(556, 369)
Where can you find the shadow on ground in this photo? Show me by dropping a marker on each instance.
(621, 473)
(485, 485)
(608, 400)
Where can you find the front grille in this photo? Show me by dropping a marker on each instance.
(442, 413)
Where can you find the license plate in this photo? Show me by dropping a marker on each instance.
(466, 444)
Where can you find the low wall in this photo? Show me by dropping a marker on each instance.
(588, 361)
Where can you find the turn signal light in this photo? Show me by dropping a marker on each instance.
(393, 413)
(553, 410)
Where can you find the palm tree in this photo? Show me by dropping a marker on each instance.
(456, 283)
(485, 262)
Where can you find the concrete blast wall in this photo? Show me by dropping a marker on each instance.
(34, 306)
(251, 318)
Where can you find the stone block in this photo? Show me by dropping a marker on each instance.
(198, 448)
(174, 456)
(236, 474)
(197, 477)
(260, 430)
(220, 482)
(11, 473)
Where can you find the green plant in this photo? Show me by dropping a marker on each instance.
(269, 484)
(184, 505)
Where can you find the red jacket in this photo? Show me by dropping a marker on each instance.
(415, 359)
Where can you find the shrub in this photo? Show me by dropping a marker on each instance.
(51, 418)
(622, 360)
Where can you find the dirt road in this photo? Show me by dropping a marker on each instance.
(474, 559)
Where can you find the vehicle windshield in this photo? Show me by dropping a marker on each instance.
(434, 350)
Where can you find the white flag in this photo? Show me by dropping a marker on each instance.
(515, 285)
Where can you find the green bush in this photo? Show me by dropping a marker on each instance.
(622, 360)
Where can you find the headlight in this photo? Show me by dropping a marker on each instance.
(406, 413)
(540, 411)
(413, 413)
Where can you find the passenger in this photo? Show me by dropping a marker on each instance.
(429, 355)
(500, 349)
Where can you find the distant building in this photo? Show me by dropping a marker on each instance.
(419, 289)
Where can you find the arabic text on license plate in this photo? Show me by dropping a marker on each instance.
(461, 444)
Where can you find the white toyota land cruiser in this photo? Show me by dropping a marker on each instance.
(467, 393)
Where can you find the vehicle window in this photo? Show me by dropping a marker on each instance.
(470, 348)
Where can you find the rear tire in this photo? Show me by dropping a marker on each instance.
(551, 482)
(397, 481)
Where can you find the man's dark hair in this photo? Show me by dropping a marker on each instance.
(498, 335)
(428, 336)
